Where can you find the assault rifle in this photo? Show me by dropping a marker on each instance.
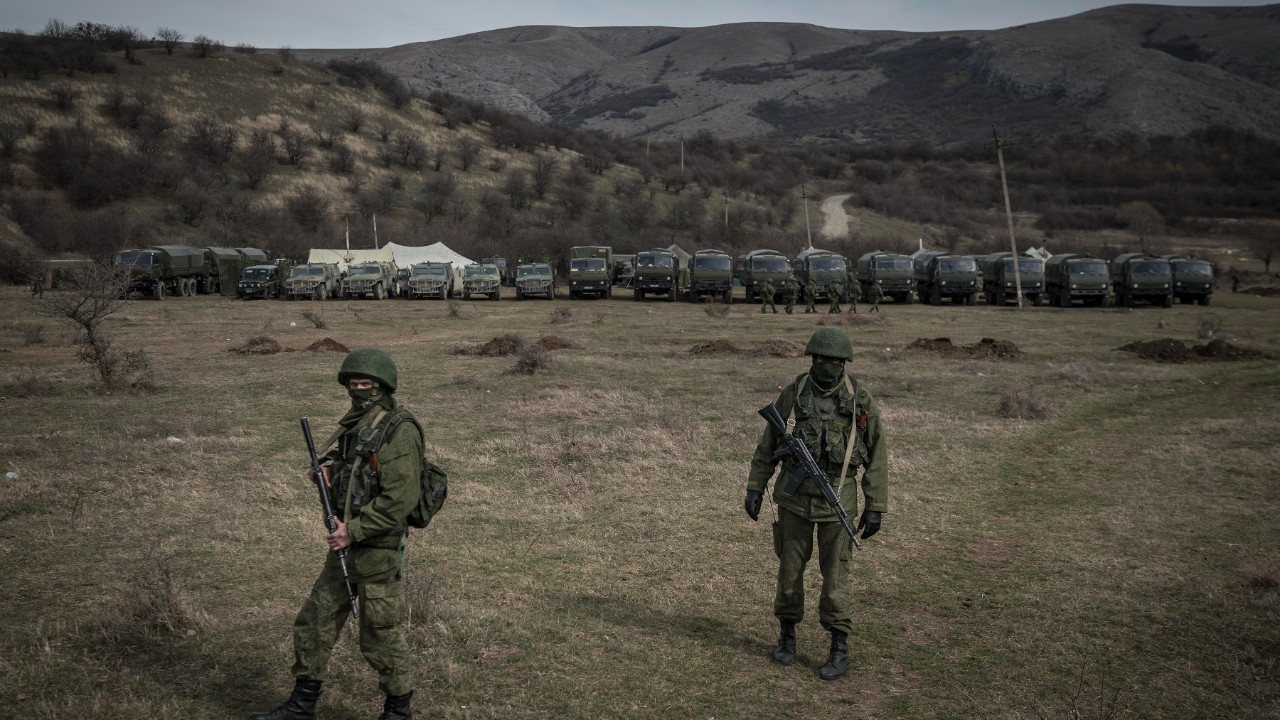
(806, 468)
(318, 475)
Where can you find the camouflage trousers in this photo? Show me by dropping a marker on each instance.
(766, 302)
(382, 640)
(793, 542)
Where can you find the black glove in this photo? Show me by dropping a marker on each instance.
(871, 521)
(752, 503)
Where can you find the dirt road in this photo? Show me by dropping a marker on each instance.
(835, 222)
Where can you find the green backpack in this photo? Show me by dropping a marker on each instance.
(434, 481)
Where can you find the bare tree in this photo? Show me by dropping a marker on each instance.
(1142, 219)
(297, 146)
(468, 151)
(94, 293)
(544, 169)
(64, 96)
(353, 119)
(206, 46)
(258, 158)
(169, 38)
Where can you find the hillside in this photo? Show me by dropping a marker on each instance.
(1129, 69)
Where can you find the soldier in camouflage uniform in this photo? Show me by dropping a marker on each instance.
(833, 296)
(853, 285)
(877, 294)
(810, 296)
(789, 292)
(840, 424)
(373, 494)
(766, 298)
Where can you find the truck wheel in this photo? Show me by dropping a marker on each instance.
(322, 293)
(671, 294)
(905, 298)
(608, 292)
(1204, 300)
(377, 292)
(466, 294)
(497, 294)
(1126, 299)
(728, 296)
(935, 297)
(1064, 298)
(972, 299)
(266, 293)
(157, 290)
(519, 294)
(1037, 299)
(639, 295)
(1168, 300)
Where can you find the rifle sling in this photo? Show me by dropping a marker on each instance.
(848, 446)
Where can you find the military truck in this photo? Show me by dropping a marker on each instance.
(823, 267)
(481, 279)
(656, 274)
(710, 275)
(1192, 279)
(162, 270)
(999, 284)
(535, 279)
(431, 280)
(1139, 276)
(260, 281)
(940, 274)
(894, 272)
(759, 266)
(506, 270)
(369, 279)
(313, 281)
(1073, 276)
(590, 271)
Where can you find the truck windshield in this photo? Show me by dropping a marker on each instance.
(1031, 267)
(586, 265)
(1194, 268)
(257, 274)
(958, 265)
(658, 261)
(481, 271)
(769, 264)
(365, 270)
(713, 263)
(533, 271)
(1151, 268)
(137, 259)
(301, 271)
(428, 271)
(893, 264)
(826, 263)
(1087, 268)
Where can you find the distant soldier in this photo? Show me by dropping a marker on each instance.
(766, 298)
(833, 295)
(1235, 280)
(877, 294)
(853, 286)
(37, 284)
(810, 296)
(789, 292)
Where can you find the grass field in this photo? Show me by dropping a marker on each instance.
(1113, 553)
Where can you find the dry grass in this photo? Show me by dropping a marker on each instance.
(1023, 404)
(594, 520)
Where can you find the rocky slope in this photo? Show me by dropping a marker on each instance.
(1145, 69)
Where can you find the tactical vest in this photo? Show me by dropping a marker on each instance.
(824, 424)
(356, 474)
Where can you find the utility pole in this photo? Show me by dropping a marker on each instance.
(726, 212)
(1008, 211)
(808, 233)
(375, 231)
(681, 156)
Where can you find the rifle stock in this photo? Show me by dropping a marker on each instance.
(806, 468)
(317, 474)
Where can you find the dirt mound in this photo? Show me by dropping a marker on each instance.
(1175, 351)
(503, 345)
(327, 345)
(987, 348)
(1261, 291)
(778, 348)
(715, 346)
(558, 342)
(260, 345)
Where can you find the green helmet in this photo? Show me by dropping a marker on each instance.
(369, 363)
(830, 342)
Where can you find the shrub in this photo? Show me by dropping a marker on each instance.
(532, 359)
(1024, 404)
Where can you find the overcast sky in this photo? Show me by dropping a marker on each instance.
(384, 23)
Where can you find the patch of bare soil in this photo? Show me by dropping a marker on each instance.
(987, 348)
(327, 345)
(778, 348)
(1261, 291)
(768, 348)
(715, 346)
(558, 342)
(501, 346)
(260, 345)
(1175, 351)
(851, 320)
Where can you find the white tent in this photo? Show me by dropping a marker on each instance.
(407, 255)
(343, 258)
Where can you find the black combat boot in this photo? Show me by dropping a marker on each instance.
(397, 707)
(785, 652)
(838, 661)
(301, 705)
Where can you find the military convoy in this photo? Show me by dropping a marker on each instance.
(1192, 279)
(760, 266)
(481, 279)
(710, 275)
(537, 279)
(1139, 276)
(892, 271)
(1000, 285)
(370, 279)
(313, 281)
(656, 273)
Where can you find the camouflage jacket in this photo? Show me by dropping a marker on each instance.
(825, 424)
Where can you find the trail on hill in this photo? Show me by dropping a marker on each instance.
(835, 221)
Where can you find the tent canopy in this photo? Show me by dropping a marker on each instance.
(343, 258)
(407, 255)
